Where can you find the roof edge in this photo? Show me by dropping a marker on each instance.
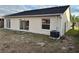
(35, 10)
(36, 15)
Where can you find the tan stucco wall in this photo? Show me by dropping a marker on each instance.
(67, 13)
(35, 24)
(65, 19)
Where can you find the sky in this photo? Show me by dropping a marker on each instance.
(10, 9)
(75, 10)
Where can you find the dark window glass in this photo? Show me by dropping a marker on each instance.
(45, 23)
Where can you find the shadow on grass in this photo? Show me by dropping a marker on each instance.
(72, 32)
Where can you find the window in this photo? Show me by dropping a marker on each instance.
(45, 23)
(8, 23)
(24, 25)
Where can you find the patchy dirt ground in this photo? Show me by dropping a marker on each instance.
(23, 42)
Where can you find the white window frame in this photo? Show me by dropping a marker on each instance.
(44, 24)
(24, 28)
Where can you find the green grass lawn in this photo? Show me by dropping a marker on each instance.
(76, 28)
(74, 33)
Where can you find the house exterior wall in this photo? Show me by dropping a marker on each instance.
(65, 20)
(14, 23)
(35, 24)
(68, 21)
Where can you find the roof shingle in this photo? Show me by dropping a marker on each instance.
(52, 10)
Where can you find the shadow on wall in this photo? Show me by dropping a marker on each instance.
(1, 22)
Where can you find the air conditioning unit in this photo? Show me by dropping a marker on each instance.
(54, 34)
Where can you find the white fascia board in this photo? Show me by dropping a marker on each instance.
(36, 15)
